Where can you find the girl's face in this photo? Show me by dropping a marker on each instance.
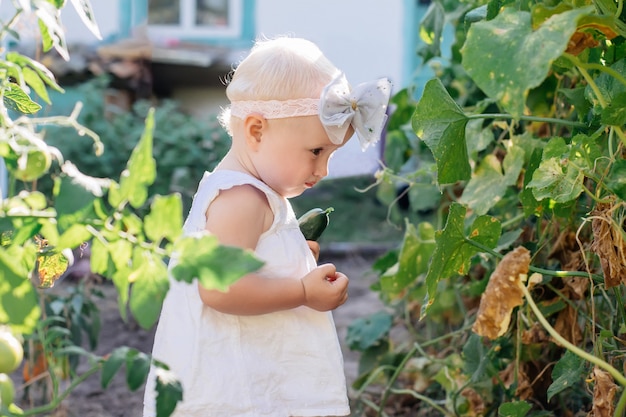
(293, 154)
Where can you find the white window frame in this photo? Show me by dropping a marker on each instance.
(188, 29)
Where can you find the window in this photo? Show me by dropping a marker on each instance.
(195, 18)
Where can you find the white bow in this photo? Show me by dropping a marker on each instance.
(364, 108)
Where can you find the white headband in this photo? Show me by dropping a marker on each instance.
(339, 107)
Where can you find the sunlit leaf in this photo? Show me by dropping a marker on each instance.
(51, 266)
(140, 171)
(453, 251)
(556, 180)
(214, 265)
(15, 98)
(33, 81)
(51, 28)
(165, 218)
(85, 11)
(149, 286)
(44, 73)
(506, 58)
(440, 123)
(18, 301)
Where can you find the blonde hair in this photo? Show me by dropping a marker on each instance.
(281, 68)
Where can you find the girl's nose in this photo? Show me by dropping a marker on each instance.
(321, 168)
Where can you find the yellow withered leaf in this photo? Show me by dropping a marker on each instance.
(502, 294)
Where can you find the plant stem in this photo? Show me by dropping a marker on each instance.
(394, 377)
(57, 400)
(527, 118)
(423, 398)
(569, 346)
(542, 271)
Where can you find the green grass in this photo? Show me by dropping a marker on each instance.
(358, 216)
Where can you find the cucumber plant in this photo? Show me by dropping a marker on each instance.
(517, 142)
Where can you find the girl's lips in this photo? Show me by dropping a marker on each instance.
(310, 184)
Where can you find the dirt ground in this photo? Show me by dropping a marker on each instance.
(90, 400)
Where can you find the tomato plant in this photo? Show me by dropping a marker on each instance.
(508, 288)
(131, 232)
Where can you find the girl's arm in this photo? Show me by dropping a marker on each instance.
(238, 217)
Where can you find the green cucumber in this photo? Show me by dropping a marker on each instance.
(314, 222)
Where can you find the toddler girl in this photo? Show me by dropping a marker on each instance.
(268, 346)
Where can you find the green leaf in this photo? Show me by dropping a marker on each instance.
(440, 123)
(417, 248)
(169, 392)
(615, 112)
(18, 300)
(616, 179)
(215, 266)
(33, 81)
(431, 31)
(51, 28)
(366, 332)
(16, 98)
(568, 371)
(454, 249)
(476, 358)
(149, 286)
(164, 219)
(44, 73)
(514, 409)
(489, 183)
(113, 364)
(73, 237)
(559, 181)
(506, 57)
(609, 87)
(140, 171)
(84, 10)
(137, 368)
(424, 196)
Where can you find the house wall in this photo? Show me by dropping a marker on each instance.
(367, 39)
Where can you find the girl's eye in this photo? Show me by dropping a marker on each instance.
(317, 151)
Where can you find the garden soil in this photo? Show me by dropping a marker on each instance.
(90, 400)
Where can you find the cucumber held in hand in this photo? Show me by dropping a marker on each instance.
(313, 222)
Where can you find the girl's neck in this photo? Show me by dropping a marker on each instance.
(233, 162)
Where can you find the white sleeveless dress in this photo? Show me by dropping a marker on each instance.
(282, 364)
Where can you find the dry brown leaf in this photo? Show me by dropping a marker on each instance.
(566, 324)
(536, 334)
(502, 294)
(577, 286)
(603, 394)
(581, 41)
(524, 386)
(476, 402)
(609, 244)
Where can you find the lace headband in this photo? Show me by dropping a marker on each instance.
(339, 107)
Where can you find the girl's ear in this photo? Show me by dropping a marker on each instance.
(253, 129)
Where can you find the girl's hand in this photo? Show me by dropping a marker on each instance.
(324, 288)
(315, 249)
